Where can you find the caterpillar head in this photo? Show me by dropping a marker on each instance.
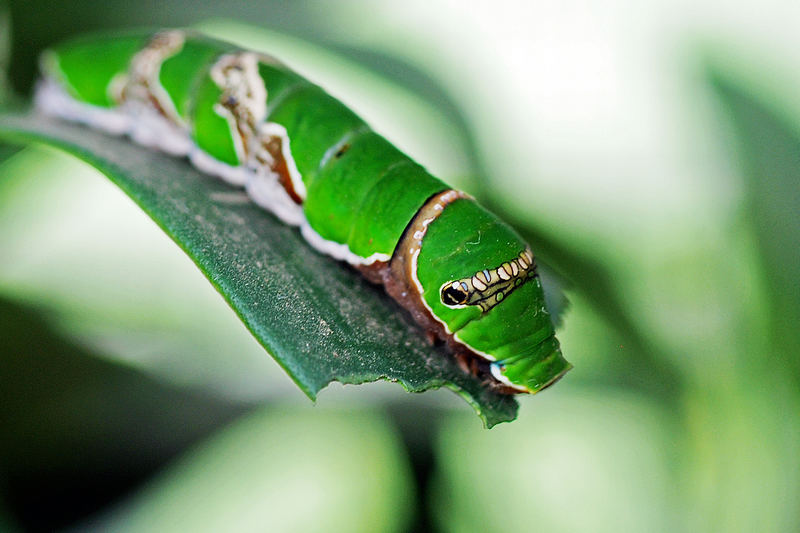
(477, 279)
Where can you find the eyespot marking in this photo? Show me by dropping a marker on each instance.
(487, 288)
(453, 295)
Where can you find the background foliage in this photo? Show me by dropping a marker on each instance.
(650, 152)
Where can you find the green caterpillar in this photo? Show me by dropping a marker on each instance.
(464, 275)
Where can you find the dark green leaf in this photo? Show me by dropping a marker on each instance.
(76, 430)
(318, 318)
(279, 469)
(769, 152)
(5, 49)
(7, 150)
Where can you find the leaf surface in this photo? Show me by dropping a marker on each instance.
(768, 145)
(318, 318)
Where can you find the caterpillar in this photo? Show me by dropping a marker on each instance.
(464, 275)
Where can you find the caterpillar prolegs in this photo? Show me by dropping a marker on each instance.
(463, 274)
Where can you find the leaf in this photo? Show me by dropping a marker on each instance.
(768, 145)
(279, 469)
(319, 319)
(616, 440)
(5, 50)
(77, 429)
(7, 150)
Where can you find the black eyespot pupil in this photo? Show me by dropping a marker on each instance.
(451, 296)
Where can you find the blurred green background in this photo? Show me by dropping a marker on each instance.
(649, 150)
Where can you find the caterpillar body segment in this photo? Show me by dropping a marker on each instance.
(464, 275)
